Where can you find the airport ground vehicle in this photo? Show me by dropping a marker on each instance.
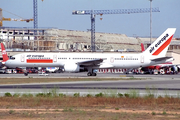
(43, 74)
(9, 71)
(2, 71)
(156, 72)
(53, 70)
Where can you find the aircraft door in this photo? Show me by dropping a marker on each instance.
(142, 59)
(112, 59)
(55, 58)
(22, 58)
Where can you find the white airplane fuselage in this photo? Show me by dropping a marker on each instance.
(110, 60)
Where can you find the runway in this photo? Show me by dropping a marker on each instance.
(158, 84)
(84, 75)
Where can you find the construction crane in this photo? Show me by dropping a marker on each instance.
(93, 13)
(35, 10)
(11, 19)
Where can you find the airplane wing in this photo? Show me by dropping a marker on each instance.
(94, 62)
(160, 59)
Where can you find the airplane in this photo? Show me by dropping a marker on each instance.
(149, 69)
(74, 62)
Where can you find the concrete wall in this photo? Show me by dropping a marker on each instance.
(176, 56)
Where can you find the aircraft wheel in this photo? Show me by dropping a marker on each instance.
(25, 74)
(94, 74)
(89, 74)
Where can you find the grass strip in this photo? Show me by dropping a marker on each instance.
(46, 80)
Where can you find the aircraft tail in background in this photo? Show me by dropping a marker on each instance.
(142, 47)
(4, 53)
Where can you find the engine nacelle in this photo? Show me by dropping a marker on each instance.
(71, 67)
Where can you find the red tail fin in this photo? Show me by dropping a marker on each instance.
(142, 47)
(4, 54)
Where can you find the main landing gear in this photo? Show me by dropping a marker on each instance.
(91, 72)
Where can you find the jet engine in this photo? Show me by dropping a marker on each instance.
(71, 67)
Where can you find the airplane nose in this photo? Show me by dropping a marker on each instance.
(7, 63)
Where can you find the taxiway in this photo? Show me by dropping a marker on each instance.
(156, 84)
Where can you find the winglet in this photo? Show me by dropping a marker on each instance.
(4, 53)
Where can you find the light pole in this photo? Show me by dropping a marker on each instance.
(150, 21)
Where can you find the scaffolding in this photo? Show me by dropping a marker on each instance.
(24, 38)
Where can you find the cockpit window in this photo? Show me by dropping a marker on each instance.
(12, 58)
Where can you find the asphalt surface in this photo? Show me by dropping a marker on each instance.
(84, 74)
(157, 84)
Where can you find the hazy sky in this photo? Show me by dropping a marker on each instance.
(58, 13)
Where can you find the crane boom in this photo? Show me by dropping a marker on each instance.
(11, 19)
(93, 13)
(116, 11)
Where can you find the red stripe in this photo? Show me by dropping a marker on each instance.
(167, 63)
(39, 61)
(160, 49)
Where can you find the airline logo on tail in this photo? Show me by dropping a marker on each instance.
(160, 45)
(164, 45)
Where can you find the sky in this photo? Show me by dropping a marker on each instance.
(58, 14)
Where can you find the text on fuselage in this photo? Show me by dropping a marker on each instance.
(35, 56)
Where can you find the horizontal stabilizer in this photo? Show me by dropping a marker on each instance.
(160, 59)
(164, 66)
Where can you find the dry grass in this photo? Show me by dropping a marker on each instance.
(172, 104)
(78, 115)
(86, 108)
(42, 80)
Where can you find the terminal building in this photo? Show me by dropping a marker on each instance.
(17, 40)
